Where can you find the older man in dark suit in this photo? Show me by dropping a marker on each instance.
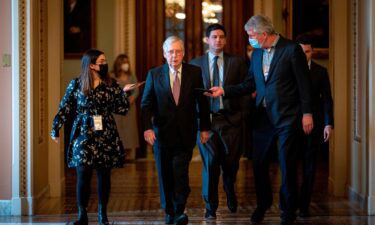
(279, 74)
(322, 108)
(170, 116)
(223, 150)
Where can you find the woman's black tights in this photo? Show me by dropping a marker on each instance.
(84, 175)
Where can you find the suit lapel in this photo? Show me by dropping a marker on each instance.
(314, 75)
(165, 82)
(258, 63)
(276, 56)
(206, 72)
(184, 83)
(312, 67)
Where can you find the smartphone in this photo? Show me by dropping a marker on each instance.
(137, 84)
(203, 90)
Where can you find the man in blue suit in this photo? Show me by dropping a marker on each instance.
(279, 74)
(171, 108)
(223, 150)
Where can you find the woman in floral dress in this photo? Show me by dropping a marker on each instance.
(94, 140)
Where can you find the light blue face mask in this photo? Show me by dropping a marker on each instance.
(254, 43)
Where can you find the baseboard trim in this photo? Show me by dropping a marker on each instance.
(25, 205)
(358, 198)
(5, 207)
(371, 205)
(22, 206)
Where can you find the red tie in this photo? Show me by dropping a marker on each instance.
(176, 87)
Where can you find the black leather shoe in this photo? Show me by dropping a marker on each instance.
(102, 215)
(258, 215)
(82, 216)
(232, 203)
(210, 215)
(304, 214)
(286, 222)
(181, 219)
(169, 219)
(287, 218)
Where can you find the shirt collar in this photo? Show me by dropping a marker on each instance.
(211, 56)
(171, 69)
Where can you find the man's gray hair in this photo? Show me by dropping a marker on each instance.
(170, 40)
(260, 24)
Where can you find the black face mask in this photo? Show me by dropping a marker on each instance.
(103, 70)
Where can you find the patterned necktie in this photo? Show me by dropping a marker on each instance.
(176, 87)
(215, 102)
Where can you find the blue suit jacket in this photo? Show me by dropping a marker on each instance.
(287, 91)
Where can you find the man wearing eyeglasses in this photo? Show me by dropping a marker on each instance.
(171, 108)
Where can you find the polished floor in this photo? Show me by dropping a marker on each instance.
(135, 200)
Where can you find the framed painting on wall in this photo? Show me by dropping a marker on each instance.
(79, 27)
(311, 18)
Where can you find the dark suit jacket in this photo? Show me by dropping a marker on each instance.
(322, 103)
(170, 121)
(235, 72)
(287, 90)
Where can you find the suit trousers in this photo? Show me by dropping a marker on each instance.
(309, 147)
(222, 152)
(83, 188)
(173, 174)
(264, 133)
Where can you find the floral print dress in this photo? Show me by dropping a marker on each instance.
(88, 147)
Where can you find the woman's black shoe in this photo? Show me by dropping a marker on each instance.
(258, 215)
(82, 216)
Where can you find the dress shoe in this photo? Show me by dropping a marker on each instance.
(169, 219)
(181, 219)
(210, 215)
(258, 215)
(82, 216)
(287, 218)
(286, 222)
(232, 203)
(304, 213)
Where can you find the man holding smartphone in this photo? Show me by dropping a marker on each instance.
(223, 149)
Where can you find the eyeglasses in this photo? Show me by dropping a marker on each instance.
(177, 52)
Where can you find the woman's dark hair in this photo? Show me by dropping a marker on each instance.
(215, 26)
(89, 57)
(117, 65)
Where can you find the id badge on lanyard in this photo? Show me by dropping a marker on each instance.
(98, 122)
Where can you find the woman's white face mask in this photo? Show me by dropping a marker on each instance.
(125, 67)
